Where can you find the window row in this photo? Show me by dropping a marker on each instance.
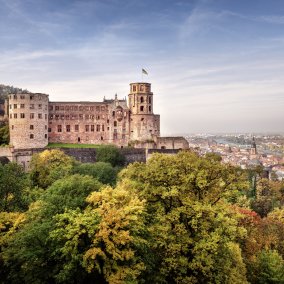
(75, 116)
(22, 97)
(78, 108)
(88, 128)
(141, 88)
(31, 127)
(32, 106)
(23, 115)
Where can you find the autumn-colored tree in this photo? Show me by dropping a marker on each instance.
(49, 166)
(191, 226)
(104, 238)
(29, 255)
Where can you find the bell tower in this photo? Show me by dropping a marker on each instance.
(140, 98)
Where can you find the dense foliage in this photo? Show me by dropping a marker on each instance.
(175, 219)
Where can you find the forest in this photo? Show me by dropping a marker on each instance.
(175, 219)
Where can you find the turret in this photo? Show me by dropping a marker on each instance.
(140, 98)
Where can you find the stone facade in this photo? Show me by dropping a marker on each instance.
(34, 121)
(28, 120)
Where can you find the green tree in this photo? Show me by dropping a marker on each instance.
(30, 253)
(49, 166)
(190, 225)
(270, 268)
(13, 182)
(110, 154)
(4, 135)
(104, 238)
(104, 172)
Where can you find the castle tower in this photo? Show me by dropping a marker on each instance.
(144, 124)
(140, 98)
(28, 120)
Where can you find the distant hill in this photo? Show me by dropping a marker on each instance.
(6, 90)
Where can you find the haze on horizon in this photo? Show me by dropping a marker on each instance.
(214, 65)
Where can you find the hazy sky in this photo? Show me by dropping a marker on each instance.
(214, 65)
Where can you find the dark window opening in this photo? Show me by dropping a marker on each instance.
(141, 108)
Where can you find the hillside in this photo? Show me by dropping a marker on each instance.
(6, 90)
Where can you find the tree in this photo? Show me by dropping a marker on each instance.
(30, 253)
(270, 267)
(104, 172)
(4, 135)
(104, 238)
(110, 154)
(49, 166)
(13, 182)
(190, 224)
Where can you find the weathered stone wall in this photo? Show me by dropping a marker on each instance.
(104, 122)
(28, 120)
(172, 143)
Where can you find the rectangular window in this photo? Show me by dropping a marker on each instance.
(68, 128)
(81, 116)
(15, 115)
(56, 107)
(40, 115)
(31, 136)
(76, 127)
(103, 127)
(50, 107)
(10, 115)
(22, 97)
(92, 128)
(32, 106)
(40, 106)
(10, 106)
(15, 105)
(22, 115)
(49, 129)
(22, 105)
(45, 116)
(31, 97)
(32, 115)
(87, 127)
(31, 127)
(98, 128)
(59, 128)
(45, 136)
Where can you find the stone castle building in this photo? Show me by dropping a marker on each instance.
(34, 121)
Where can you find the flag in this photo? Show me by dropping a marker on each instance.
(144, 71)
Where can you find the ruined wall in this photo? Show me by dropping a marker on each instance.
(89, 122)
(28, 120)
(172, 143)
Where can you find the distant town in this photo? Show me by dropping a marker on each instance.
(244, 150)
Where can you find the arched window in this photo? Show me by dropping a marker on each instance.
(141, 100)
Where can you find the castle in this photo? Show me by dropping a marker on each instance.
(34, 121)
